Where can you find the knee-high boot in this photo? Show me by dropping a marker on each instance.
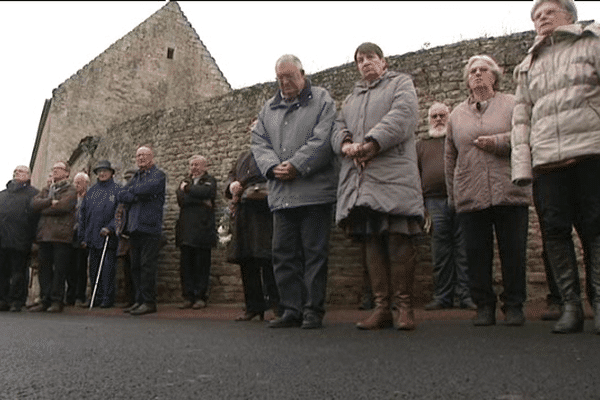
(381, 317)
(403, 260)
(562, 260)
(593, 252)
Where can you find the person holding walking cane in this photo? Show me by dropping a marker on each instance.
(97, 231)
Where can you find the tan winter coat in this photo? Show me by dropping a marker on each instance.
(557, 115)
(477, 179)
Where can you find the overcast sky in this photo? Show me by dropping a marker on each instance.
(44, 43)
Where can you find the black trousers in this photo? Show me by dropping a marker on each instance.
(13, 276)
(144, 266)
(195, 273)
(77, 275)
(54, 259)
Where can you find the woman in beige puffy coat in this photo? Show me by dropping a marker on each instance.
(379, 192)
(556, 143)
(477, 169)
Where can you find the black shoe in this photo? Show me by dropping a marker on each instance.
(311, 321)
(56, 307)
(552, 312)
(146, 308)
(249, 316)
(571, 319)
(199, 304)
(515, 316)
(287, 321)
(15, 307)
(41, 307)
(133, 307)
(468, 304)
(186, 304)
(435, 305)
(486, 316)
(4, 306)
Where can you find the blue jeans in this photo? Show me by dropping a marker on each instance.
(450, 268)
(300, 255)
(567, 198)
(510, 224)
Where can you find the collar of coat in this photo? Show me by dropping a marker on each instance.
(363, 85)
(561, 33)
(58, 186)
(13, 185)
(303, 98)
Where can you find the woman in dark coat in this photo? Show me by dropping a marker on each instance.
(196, 232)
(252, 235)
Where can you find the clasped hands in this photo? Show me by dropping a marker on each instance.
(486, 143)
(361, 153)
(285, 171)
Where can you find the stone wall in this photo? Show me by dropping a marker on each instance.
(216, 128)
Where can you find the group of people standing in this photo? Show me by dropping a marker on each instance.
(469, 180)
(492, 148)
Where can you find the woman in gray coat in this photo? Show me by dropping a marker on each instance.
(379, 192)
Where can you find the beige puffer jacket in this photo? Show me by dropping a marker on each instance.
(557, 115)
(477, 179)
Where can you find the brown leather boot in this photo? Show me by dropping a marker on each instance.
(378, 270)
(381, 317)
(403, 260)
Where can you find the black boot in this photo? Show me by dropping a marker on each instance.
(571, 319)
(597, 318)
(486, 315)
(561, 256)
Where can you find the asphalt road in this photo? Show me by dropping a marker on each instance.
(105, 354)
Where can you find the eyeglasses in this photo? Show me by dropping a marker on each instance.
(550, 13)
(434, 116)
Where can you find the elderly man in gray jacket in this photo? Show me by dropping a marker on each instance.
(291, 145)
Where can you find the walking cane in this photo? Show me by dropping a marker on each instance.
(99, 272)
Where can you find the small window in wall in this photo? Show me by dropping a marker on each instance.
(170, 52)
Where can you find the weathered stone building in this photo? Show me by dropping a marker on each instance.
(161, 63)
(216, 127)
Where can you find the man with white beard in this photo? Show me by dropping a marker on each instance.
(450, 276)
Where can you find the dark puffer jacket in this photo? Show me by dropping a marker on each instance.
(196, 226)
(18, 221)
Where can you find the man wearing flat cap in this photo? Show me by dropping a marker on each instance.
(97, 230)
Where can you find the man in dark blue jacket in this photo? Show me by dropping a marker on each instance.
(144, 198)
(97, 228)
(18, 224)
